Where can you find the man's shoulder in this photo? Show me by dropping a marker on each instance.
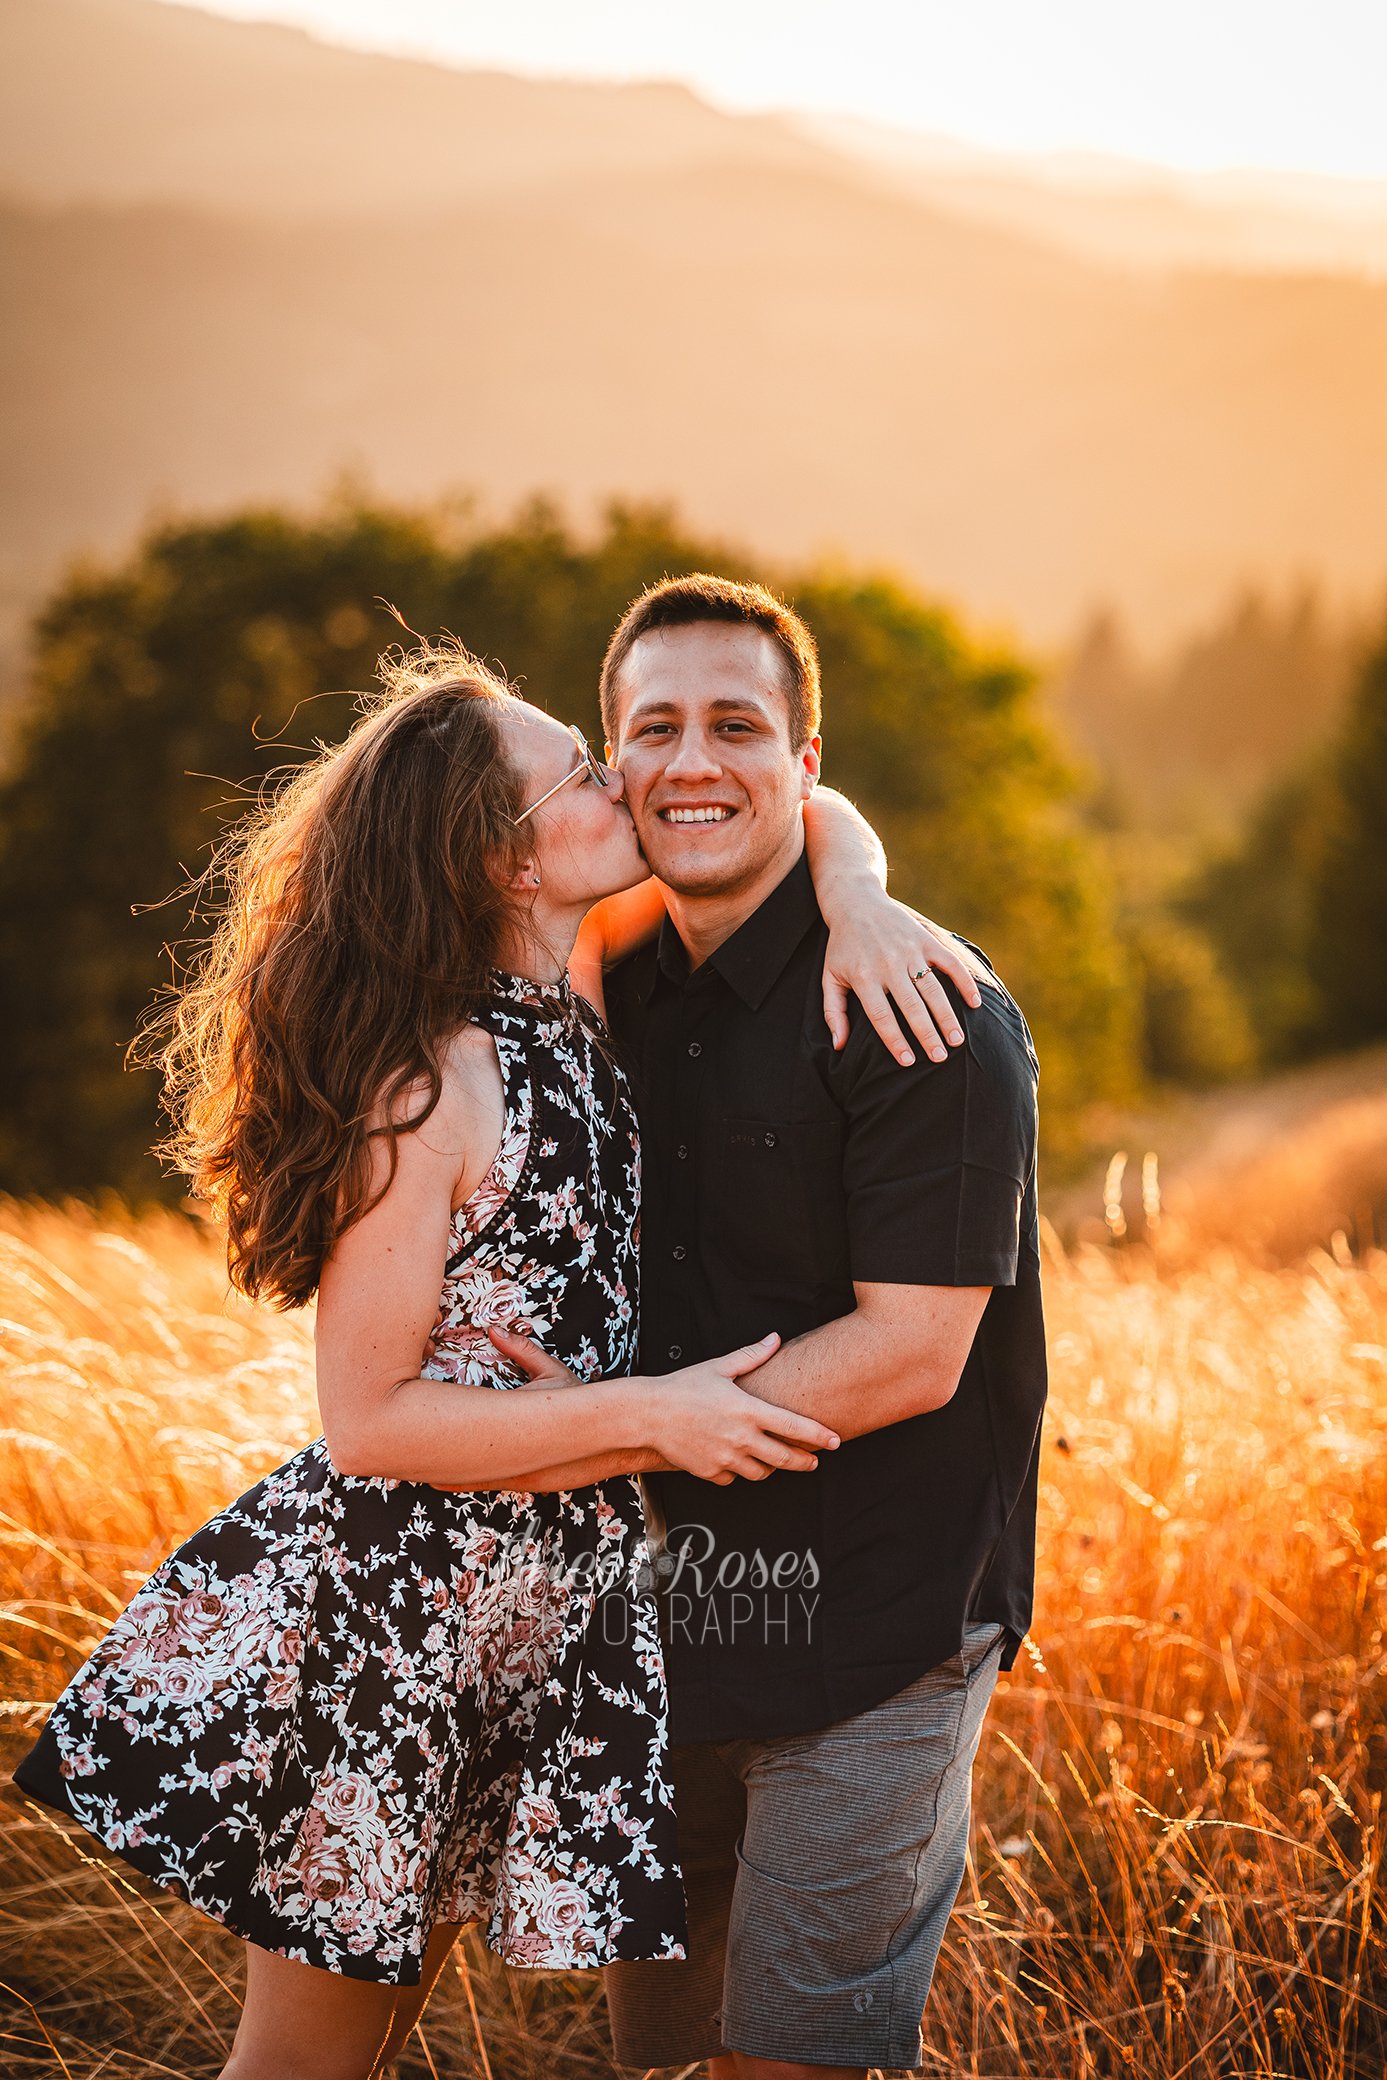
(999, 1006)
(1004, 1018)
(997, 1040)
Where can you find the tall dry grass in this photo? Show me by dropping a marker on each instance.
(1179, 1824)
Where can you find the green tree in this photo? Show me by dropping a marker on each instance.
(1347, 955)
(164, 687)
(1194, 1028)
(1255, 902)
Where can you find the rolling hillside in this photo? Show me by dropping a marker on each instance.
(235, 262)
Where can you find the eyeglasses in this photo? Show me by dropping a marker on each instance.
(589, 763)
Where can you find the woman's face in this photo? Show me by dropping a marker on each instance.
(583, 842)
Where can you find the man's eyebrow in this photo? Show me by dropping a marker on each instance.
(724, 704)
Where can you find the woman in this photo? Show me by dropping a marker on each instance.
(412, 1678)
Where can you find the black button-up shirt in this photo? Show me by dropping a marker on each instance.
(777, 1172)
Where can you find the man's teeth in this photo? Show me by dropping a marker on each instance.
(696, 815)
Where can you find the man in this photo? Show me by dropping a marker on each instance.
(832, 1638)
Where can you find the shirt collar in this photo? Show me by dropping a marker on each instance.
(753, 959)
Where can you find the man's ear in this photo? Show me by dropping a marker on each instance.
(811, 766)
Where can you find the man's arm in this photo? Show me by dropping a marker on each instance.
(935, 1159)
(900, 1353)
(384, 1419)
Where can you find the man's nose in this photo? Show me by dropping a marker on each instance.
(695, 759)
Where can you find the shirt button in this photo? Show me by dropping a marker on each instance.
(770, 1140)
(682, 1152)
(676, 1351)
(695, 1049)
(679, 1253)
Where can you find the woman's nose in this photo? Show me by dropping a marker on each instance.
(616, 784)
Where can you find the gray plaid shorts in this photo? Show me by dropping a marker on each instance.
(820, 1870)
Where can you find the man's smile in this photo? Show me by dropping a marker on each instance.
(704, 812)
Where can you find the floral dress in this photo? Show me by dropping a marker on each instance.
(347, 1708)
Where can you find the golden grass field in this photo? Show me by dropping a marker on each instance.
(1179, 1799)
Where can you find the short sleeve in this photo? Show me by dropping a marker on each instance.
(937, 1156)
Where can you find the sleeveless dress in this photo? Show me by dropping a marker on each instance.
(349, 1707)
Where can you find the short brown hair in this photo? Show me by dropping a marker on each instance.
(683, 602)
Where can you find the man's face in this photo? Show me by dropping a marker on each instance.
(703, 744)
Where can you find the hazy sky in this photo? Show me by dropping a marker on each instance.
(1192, 83)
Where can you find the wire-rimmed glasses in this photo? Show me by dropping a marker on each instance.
(589, 762)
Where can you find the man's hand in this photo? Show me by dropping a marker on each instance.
(880, 949)
(698, 1419)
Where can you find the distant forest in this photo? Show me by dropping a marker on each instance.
(1239, 778)
(218, 652)
(1192, 735)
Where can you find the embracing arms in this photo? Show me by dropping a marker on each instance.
(900, 1353)
(878, 949)
(935, 1171)
(377, 1305)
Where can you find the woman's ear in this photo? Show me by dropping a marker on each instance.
(526, 876)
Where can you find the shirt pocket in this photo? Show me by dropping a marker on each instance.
(778, 1184)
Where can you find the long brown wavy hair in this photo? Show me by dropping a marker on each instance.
(363, 904)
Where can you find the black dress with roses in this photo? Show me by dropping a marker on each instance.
(348, 1708)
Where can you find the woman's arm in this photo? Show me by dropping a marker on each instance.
(581, 1473)
(377, 1305)
(878, 948)
(613, 928)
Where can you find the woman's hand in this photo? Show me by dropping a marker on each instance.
(881, 949)
(703, 1421)
(877, 948)
(699, 1419)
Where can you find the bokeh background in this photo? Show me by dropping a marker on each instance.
(1040, 356)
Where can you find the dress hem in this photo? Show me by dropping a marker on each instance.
(57, 1802)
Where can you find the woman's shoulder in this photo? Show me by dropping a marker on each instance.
(471, 1075)
(460, 1122)
(451, 1116)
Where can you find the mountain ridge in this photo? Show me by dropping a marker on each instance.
(164, 103)
(806, 358)
(1128, 213)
